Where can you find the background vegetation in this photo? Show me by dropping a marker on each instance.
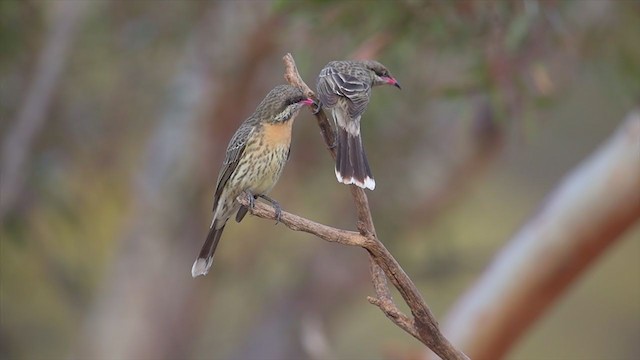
(121, 111)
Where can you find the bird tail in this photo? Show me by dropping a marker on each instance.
(204, 261)
(352, 166)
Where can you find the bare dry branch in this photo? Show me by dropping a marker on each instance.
(391, 311)
(588, 212)
(351, 238)
(297, 223)
(423, 326)
(292, 76)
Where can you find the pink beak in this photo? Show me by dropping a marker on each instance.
(308, 101)
(394, 82)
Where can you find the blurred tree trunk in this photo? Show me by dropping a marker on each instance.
(150, 307)
(294, 323)
(590, 210)
(143, 309)
(65, 18)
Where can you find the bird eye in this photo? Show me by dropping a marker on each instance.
(294, 100)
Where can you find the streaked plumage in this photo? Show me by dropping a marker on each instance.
(344, 87)
(255, 158)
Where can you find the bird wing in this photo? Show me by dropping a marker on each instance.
(333, 84)
(235, 149)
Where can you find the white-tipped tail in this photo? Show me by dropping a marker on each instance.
(368, 183)
(339, 177)
(201, 267)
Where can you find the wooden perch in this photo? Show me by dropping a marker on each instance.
(587, 213)
(423, 326)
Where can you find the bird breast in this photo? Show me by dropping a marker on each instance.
(277, 134)
(271, 152)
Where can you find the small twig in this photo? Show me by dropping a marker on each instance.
(392, 312)
(292, 76)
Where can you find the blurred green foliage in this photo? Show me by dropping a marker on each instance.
(558, 76)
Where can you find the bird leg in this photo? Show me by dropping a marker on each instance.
(276, 207)
(251, 198)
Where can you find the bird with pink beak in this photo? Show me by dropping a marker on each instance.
(344, 87)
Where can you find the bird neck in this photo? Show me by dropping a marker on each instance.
(277, 133)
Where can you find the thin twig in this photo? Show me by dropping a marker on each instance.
(292, 76)
(392, 312)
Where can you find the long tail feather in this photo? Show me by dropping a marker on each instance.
(352, 166)
(344, 170)
(205, 259)
(241, 213)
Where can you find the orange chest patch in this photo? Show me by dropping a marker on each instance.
(277, 134)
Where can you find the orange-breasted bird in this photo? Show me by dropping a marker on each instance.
(255, 158)
(345, 88)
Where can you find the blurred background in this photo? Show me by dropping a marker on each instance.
(115, 118)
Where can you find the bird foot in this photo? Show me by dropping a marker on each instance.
(276, 207)
(251, 199)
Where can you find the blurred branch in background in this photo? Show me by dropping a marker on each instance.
(150, 307)
(373, 46)
(484, 141)
(64, 20)
(233, 95)
(132, 318)
(293, 324)
(589, 211)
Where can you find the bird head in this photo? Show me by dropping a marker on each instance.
(381, 76)
(282, 104)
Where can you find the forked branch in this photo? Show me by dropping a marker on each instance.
(423, 325)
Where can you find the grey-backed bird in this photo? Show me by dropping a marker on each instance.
(344, 87)
(255, 158)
